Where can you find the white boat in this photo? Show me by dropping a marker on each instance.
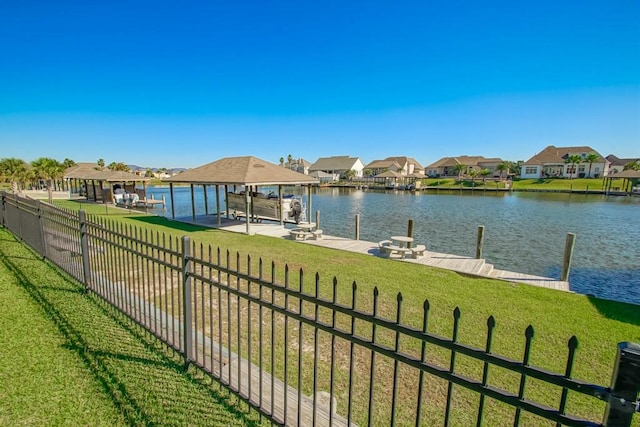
(263, 206)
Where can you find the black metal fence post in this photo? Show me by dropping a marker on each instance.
(625, 386)
(187, 270)
(4, 198)
(84, 249)
(45, 253)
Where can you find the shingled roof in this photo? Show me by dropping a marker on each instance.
(334, 163)
(462, 160)
(552, 154)
(246, 170)
(616, 161)
(631, 174)
(91, 171)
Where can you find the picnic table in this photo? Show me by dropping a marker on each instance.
(306, 230)
(402, 241)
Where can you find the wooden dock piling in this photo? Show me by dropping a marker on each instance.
(410, 232)
(480, 242)
(568, 256)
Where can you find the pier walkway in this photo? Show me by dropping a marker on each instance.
(457, 263)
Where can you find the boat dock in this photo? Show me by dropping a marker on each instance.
(458, 263)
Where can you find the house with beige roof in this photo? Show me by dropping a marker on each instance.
(447, 166)
(616, 164)
(299, 165)
(405, 166)
(552, 162)
(338, 166)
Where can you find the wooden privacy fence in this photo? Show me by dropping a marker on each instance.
(289, 345)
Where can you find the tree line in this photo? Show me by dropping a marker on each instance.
(44, 170)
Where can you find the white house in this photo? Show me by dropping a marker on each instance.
(404, 165)
(617, 164)
(552, 162)
(338, 166)
(446, 166)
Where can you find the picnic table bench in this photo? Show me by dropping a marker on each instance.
(303, 234)
(387, 248)
(298, 234)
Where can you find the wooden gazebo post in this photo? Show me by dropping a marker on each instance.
(246, 208)
(206, 200)
(226, 199)
(218, 205)
(193, 203)
(281, 210)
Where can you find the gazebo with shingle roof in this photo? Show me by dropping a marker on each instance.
(90, 174)
(630, 178)
(248, 171)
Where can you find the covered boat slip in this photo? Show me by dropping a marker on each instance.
(630, 182)
(250, 173)
(266, 206)
(98, 184)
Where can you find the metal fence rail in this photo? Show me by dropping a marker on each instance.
(295, 351)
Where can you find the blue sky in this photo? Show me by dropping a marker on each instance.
(180, 84)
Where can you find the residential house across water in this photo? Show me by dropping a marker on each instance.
(616, 164)
(449, 166)
(338, 166)
(406, 166)
(556, 162)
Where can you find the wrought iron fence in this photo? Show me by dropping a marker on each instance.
(296, 352)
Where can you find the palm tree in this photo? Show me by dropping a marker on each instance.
(100, 163)
(15, 171)
(515, 167)
(632, 166)
(290, 160)
(459, 167)
(49, 170)
(119, 166)
(483, 173)
(282, 161)
(502, 167)
(591, 159)
(350, 174)
(573, 159)
(67, 163)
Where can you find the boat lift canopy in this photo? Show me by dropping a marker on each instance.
(247, 171)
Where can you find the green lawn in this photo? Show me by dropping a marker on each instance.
(549, 184)
(592, 184)
(556, 316)
(68, 359)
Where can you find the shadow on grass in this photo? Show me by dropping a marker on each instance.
(440, 182)
(165, 222)
(541, 181)
(619, 311)
(116, 383)
(592, 282)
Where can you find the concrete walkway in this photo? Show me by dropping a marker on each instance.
(458, 263)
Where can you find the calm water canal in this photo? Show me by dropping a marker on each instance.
(524, 232)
